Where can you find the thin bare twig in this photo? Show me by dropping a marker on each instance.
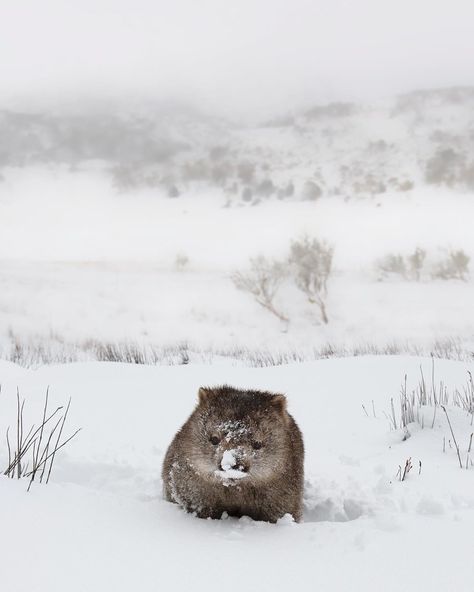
(452, 433)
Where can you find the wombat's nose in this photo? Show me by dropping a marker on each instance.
(240, 467)
(232, 460)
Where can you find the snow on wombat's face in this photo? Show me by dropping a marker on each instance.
(239, 436)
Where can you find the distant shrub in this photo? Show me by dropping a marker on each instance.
(443, 167)
(262, 281)
(332, 110)
(221, 172)
(195, 170)
(408, 267)
(287, 191)
(392, 264)
(454, 266)
(124, 177)
(247, 194)
(246, 172)
(466, 176)
(265, 188)
(400, 185)
(377, 146)
(233, 188)
(311, 191)
(283, 121)
(406, 185)
(218, 152)
(173, 191)
(411, 267)
(311, 261)
(369, 184)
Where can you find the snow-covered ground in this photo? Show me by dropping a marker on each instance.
(95, 253)
(79, 262)
(101, 523)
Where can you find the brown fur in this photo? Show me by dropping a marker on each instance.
(240, 420)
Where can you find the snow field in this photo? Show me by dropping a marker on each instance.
(105, 269)
(102, 523)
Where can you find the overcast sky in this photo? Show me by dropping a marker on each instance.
(235, 56)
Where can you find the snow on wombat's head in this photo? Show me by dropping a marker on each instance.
(239, 434)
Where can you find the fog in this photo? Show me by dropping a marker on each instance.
(152, 152)
(244, 58)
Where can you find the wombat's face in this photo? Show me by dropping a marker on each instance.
(239, 436)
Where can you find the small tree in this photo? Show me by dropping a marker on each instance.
(262, 281)
(312, 263)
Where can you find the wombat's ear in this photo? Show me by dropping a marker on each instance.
(204, 394)
(279, 403)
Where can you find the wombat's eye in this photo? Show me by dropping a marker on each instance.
(256, 445)
(214, 440)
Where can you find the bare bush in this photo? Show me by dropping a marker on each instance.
(369, 184)
(454, 266)
(262, 281)
(312, 263)
(391, 264)
(399, 184)
(32, 453)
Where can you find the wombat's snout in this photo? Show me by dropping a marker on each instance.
(237, 466)
(233, 460)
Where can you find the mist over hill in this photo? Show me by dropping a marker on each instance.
(337, 149)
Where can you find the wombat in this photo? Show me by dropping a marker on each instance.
(241, 453)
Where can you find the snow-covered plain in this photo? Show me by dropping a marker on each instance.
(105, 268)
(101, 523)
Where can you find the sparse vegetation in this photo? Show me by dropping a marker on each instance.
(262, 281)
(141, 150)
(311, 262)
(415, 405)
(35, 353)
(391, 264)
(455, 265)
(31, 452)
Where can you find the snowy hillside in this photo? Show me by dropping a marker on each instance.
(351, 150)
(101, 522)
